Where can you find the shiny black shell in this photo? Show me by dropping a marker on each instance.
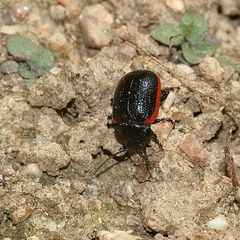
(135, 97)
(135, 106)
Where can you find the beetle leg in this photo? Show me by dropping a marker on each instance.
(155, 139)
(109, 125)
(164, 120)
(164, 93)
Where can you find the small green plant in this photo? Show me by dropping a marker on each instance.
(190, 34)
(35, 60)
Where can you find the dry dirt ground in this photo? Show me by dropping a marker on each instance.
(54, 134)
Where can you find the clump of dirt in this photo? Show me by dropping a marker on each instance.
(54, 135)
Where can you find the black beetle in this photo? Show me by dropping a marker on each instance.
(136, 105)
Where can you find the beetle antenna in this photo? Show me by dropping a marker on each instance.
(104, 162)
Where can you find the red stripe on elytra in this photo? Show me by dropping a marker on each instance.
(157, 105)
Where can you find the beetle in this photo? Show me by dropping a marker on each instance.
(136, 105)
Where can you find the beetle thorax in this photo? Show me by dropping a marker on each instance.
(132, 135)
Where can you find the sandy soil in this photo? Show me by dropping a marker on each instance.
(54, 134)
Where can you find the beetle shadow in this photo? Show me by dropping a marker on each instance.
(118, 159)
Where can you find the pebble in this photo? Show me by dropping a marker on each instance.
(193, 149)
(127, 51)
(228, 73)
(176, 5)
(235, 85)
(2, 192)
(100, 12)
(95, 23)
(211, 69)
(52, 91)
(13, 29)
(55, 70)
(218, 223)
(20, 10)
(168, 103)
(21, 214)
(163, 129)
(57, 12)
(187, 70)
(59, 43)
(73, 11)
(9, 67)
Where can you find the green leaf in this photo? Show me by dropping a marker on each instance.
(25, 71)
(20, 46)
(195, 54)
(189, 54)
(228, 62)
(41, 61)
(169, 33)
(194, 27)
(206, 47)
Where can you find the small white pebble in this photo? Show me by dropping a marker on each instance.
(55, 70)
(20, 10)
(168, 103)
(13, 29)
(176, 5)
(211, 69)
(185, 69)
(218, 223)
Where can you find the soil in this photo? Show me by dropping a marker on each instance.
(54, 135)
